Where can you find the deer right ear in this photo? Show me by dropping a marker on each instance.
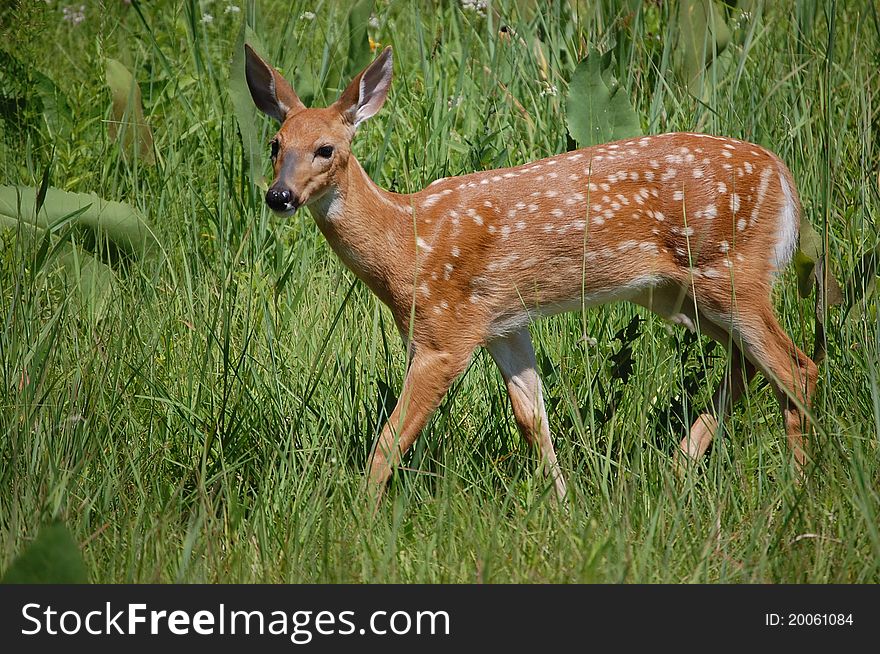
(270, 91)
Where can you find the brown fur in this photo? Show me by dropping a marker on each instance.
(689, 225)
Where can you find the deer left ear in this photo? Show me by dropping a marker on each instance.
(367, 92)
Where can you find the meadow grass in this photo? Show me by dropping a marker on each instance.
(211, 422)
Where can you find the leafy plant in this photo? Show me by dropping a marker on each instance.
(127, 124)
(598, 109)
(108, 232)
(52, 558)
(703, 35)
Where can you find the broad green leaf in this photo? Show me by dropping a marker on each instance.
(808, 253)
(359, 54)
(597, 108)
(91, 278)
(809, 262)
(246, 115)
(127, 122)
(53, 558)
(118, 222)
(703, 35)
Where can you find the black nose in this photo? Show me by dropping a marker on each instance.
(280, 199)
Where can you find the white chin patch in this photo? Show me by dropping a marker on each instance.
(285, 213)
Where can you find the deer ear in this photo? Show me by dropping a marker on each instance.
(270, 91)
(367, 92)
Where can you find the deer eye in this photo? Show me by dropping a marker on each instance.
(274, 149)
(325, 151)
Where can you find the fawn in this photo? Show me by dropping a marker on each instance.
(691, 226)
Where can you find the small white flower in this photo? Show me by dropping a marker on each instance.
(232, 9)
(477, 6)
(549, 89)
(74, 15)
(374, 22)
(307, 15)
(207, 19)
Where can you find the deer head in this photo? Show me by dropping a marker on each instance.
(310, 151)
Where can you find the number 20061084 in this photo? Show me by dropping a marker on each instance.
(808, 619)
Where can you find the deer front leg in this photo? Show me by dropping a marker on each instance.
(429, 376)
(515, 358)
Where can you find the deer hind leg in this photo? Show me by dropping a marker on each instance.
(515, 358)
(675, 303)
(429, 376)
(736, 379)
(792, 374)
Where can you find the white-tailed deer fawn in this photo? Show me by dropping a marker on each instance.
(690, 226)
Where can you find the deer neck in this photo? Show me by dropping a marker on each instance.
(359, 220)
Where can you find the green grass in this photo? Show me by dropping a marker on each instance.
(212, 421)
